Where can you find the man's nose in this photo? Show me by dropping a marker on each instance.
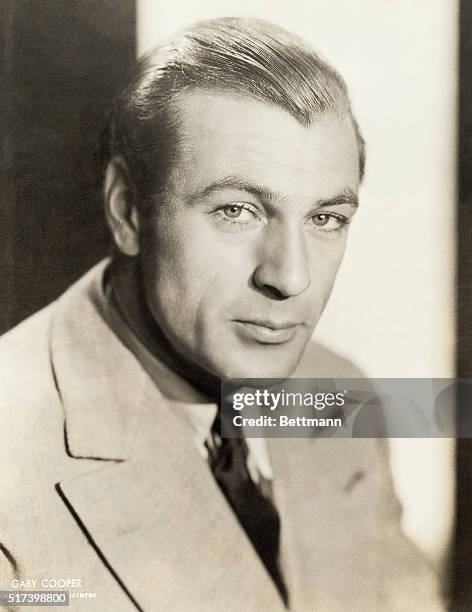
(283, 268)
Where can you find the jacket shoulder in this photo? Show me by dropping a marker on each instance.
(24, 354)
(29, 399)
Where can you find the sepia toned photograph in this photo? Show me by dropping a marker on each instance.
(235, 340)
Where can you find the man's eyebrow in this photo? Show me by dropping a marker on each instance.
(346, 196)
(237, 184)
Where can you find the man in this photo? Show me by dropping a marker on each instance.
(233, 163)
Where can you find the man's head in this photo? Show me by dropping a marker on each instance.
(235, 165)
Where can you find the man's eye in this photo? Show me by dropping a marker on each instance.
(241, 213)
(233, 211)
(329, 222)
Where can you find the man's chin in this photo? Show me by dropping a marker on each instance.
(259, 369)
(238, 362)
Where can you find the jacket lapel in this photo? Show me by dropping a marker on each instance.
(153, 511)
(162, 524)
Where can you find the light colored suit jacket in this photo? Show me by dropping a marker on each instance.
(101, 482)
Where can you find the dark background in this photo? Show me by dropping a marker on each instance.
(61, 63)
(462, 547)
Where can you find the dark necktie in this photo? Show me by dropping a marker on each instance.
(255, 511)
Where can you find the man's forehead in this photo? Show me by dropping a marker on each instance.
(214, 112)
(223, 134)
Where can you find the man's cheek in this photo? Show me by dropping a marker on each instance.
(214, 269)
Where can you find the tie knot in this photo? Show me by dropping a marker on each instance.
(224, 429)
(226, 450)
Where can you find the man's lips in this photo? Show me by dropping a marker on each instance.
(267, 331)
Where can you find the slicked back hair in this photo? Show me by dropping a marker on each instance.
(249, 57)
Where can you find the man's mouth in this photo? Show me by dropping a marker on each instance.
(267, 331)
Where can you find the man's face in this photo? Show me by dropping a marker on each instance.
(240, 259)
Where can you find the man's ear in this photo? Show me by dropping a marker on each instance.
(120, 208)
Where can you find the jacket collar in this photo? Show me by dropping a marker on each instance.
(100, 416)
